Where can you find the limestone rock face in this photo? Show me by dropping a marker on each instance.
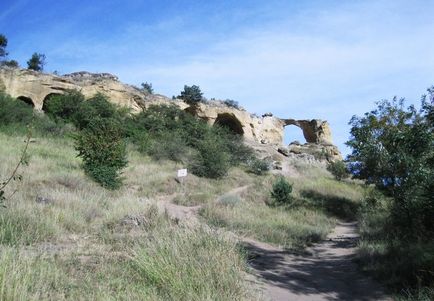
(320, 152)
(35, 88)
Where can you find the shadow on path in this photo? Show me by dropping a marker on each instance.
(325, 272)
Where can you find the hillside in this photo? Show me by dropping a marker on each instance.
(94, 208)
(64, 237)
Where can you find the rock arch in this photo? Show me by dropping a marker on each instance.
(314, 131)
(229, 121)
(46, 99)
(293, 134)
(27, 100)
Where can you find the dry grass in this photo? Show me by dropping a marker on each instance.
(74, 246)
(318, 200)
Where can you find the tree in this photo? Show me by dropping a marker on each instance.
(103, 151)
(65, 106)
(11, 64)
(3, 45)
(393, 148)
(338, 169)
(147, 87)
(191, 95)
(282, 191)
(36, 62)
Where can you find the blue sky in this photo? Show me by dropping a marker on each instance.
(297, 59)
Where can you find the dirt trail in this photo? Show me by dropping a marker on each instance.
(188, 214)
(325, 272)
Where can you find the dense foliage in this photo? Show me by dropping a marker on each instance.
(13, 111)
(393, 148)
(103, 151)
(232, 103)
(147, 87)
(191, 95)
(258, 166)
(4, 53)
(36, 62)
(3, 45)
(166, 132)
(338, 169)
(282, 192)
(64, 107)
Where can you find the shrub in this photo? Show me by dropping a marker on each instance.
(168, 146)
(393, 148)
(36, 62)
(98, 107)
(191, 95)
(212, 159)
(258, 166)
(232, 103)
(239, 152)
(11, 64)
(282, 192)
(338, 169)
(14, 111)
(103, 151)
(64, 107)
(3, 44)
(147, 88)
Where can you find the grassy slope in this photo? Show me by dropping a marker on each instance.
(76, 248)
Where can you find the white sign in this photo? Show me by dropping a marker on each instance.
(182, 173)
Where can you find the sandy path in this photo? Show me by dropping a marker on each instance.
(325, 272)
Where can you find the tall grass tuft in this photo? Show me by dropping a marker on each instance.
(192, 265)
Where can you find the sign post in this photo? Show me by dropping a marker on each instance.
(182, 173)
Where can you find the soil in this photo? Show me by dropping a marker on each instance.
(326, 271)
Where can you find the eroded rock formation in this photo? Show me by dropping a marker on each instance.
(35, 88)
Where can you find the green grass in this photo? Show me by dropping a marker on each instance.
(76, 248)
(183, 268)
(406, 267)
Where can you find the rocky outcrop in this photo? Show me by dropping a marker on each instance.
(35, 88)
(314, 131)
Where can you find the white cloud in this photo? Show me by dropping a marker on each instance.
(321, 62)
(332, 65)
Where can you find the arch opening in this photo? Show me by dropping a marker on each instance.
(230, 122)
(27, 100)
(47, 99)
(293, 134)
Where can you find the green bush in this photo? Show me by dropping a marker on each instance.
(239, 152)
(281, 192)
(258, 167)
(103, 151)
(97, 107)
(191, 95)
(168, 146)
(232, 103)
(64, 107)
(212, 159)
(167, 132)
(14, 111)
(147, 87)
(338, 169)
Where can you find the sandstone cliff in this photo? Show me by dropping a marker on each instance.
(35, 88)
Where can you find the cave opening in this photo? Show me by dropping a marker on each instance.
(230, 122)
(27, 100)
(47, 99)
